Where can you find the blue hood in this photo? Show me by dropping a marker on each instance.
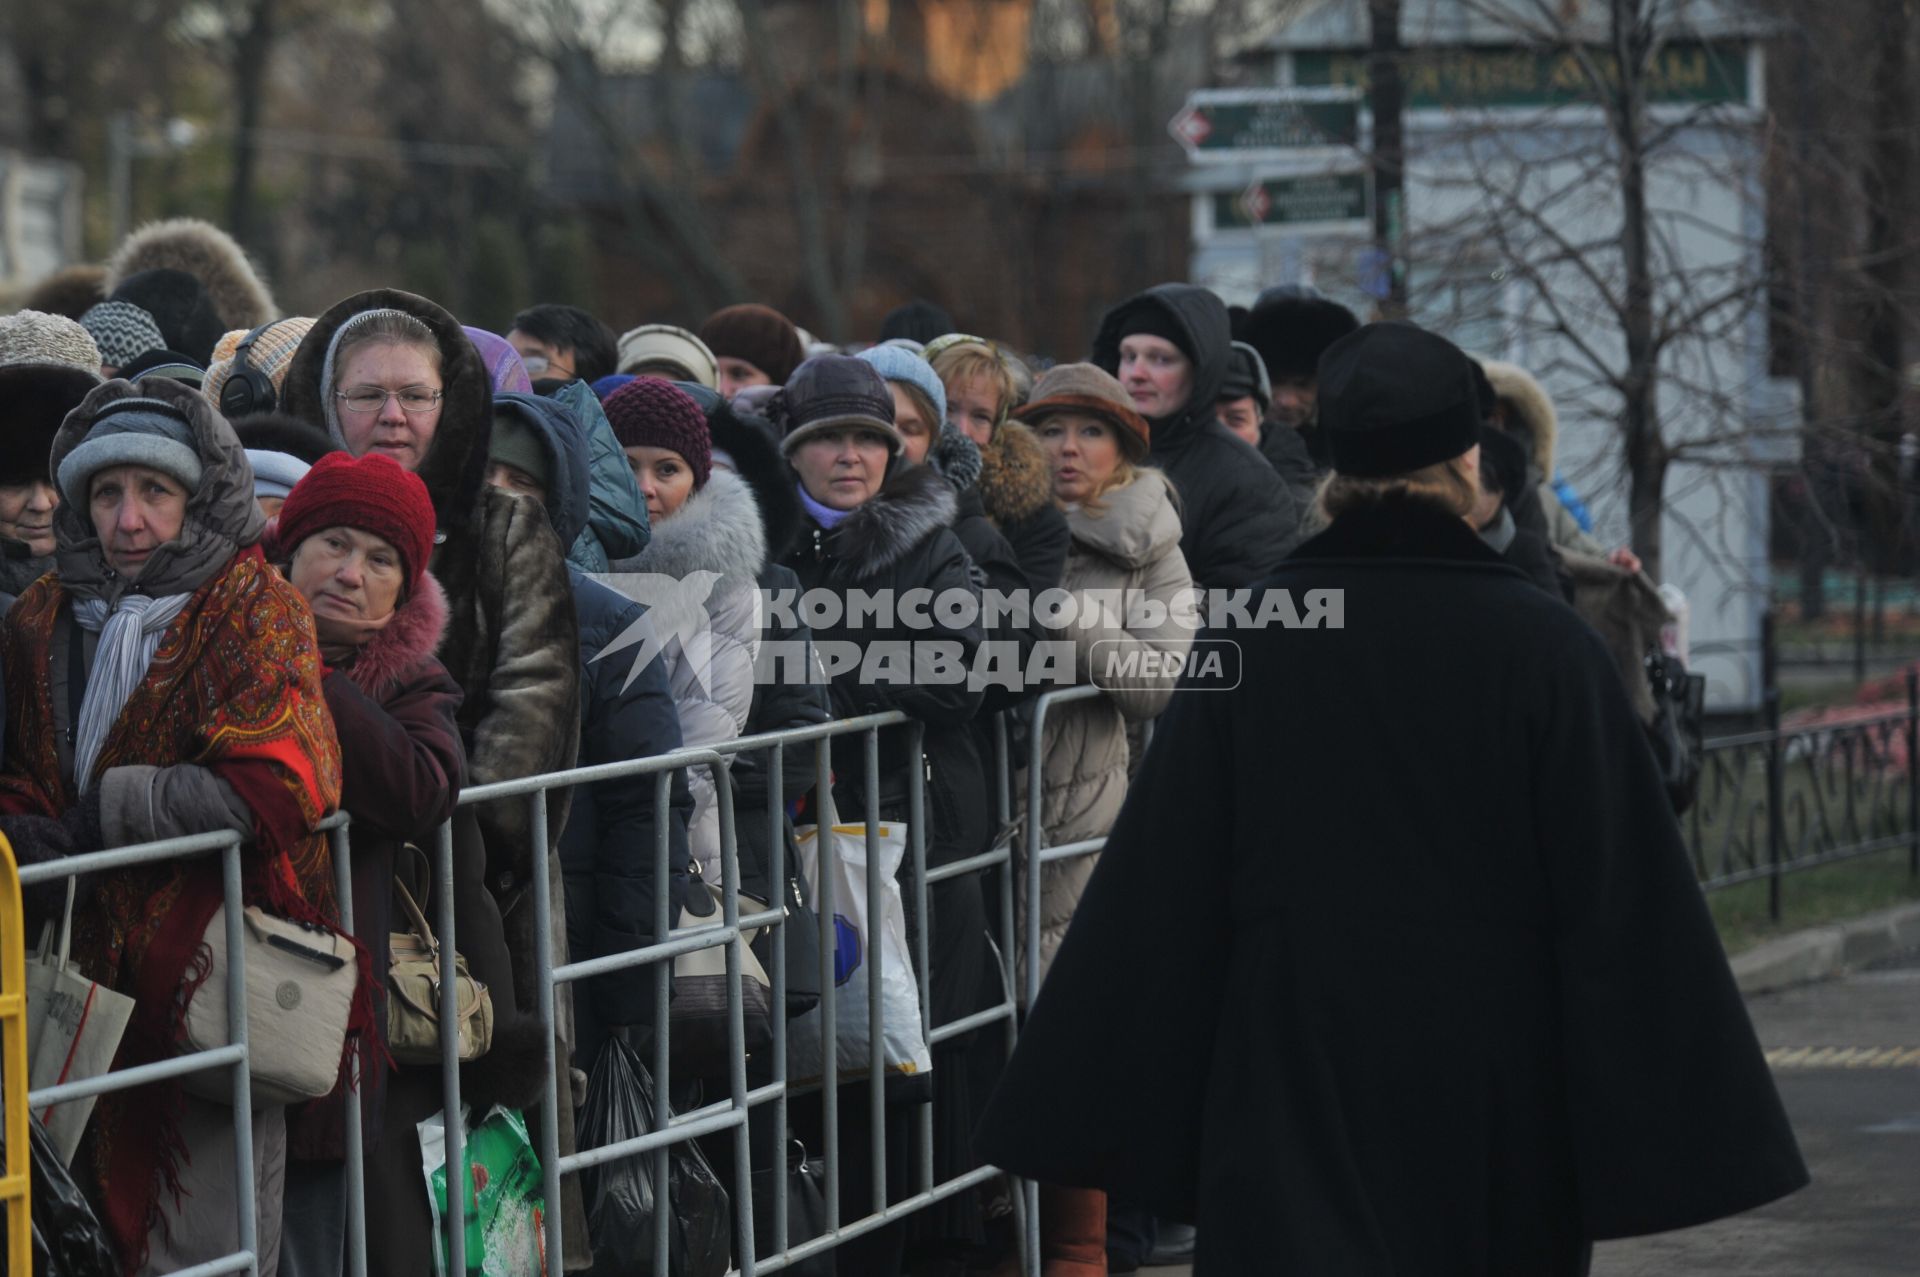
(559, 429)
(617, 526)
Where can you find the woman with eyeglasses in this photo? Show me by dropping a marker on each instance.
(389, 373)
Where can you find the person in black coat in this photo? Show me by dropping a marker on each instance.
(876, 525)
(1399, 1030)
(1503, 472)
(539, 450)
(1240, 519)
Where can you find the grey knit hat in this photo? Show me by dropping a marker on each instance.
(136, 431)
(122, 331)
(35, 337)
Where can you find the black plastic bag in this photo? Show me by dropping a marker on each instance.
(621, 1196)
(1678, 730)
(67, 1238)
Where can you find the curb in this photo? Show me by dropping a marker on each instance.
(1821, 953)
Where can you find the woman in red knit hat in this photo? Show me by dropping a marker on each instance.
(354, 537)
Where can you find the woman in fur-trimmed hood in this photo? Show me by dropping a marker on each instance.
(1524, 408)
(204, 251)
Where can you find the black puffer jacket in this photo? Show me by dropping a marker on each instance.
(1240, 519)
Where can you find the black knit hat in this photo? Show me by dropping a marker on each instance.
(1395, 398)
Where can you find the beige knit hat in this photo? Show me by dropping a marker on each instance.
(271, 353)
(661, 350)
(35, 337)
(1085, 388)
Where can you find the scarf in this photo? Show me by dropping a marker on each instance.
(130, 634)
(341, 639)
(826, 516)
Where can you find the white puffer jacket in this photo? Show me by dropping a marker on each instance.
(717, 532)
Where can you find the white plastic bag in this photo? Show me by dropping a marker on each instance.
(904, 1039)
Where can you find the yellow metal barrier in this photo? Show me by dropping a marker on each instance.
(14, 1187)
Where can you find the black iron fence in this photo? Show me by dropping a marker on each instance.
(1785, 799)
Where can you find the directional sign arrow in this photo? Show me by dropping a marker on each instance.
(1190, 128)
(1256, 204)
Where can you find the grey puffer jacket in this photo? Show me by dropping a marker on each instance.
(1133, 544)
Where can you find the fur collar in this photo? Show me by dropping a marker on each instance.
(718, 529)
(913, 504)
(1015, 479)
(412, 636)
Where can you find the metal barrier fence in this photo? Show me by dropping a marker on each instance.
(1787, 799)
(1771, 803)
(14, 1186)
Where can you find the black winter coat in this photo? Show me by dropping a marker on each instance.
(607, 852)
(1239, 518)
(1394, 1031)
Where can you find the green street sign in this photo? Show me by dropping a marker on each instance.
(1234, 124)
(1294, 201)
(1682, 72)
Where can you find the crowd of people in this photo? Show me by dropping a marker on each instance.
(256, 569)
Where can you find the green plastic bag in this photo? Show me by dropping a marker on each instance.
(505, 1205)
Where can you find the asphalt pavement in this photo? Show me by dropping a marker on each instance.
(1846, 1053)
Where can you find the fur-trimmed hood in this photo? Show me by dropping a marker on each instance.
(1015, 479)
(1528, 400)
(718, 529)
(205, 252)
(914, 503)
(413, 635)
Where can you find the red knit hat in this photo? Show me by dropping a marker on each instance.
(373, 493)
(650, 413)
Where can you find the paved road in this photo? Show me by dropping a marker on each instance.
(1858, 1118)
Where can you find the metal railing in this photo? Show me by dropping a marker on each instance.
(1787, 799)
(726, 1117)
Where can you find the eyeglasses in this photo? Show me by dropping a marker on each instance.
(540, 365)
(363, 400)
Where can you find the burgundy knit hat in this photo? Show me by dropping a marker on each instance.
(648, 412)
(373, 493)
(760, 335)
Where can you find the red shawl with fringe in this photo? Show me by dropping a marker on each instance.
(234, 687)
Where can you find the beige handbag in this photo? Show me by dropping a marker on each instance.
(413, 994)
(301, 979)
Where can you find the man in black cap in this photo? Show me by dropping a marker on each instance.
(1397, 1030)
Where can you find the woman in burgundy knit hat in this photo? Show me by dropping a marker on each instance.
(354, 537)
(705, 519)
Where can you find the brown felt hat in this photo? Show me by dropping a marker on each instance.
(1092, 390)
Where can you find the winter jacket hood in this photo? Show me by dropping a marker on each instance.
(205, 252)
(718, 530)
(455, 468)
(616, 512)
(913, 504)
(1529, 402)
(568, 488)
(1206, 340)
(1015, 479)
(1137, 525)
(756, 456)
(222, 517)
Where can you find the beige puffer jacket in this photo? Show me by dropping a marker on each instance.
(1133, 544)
